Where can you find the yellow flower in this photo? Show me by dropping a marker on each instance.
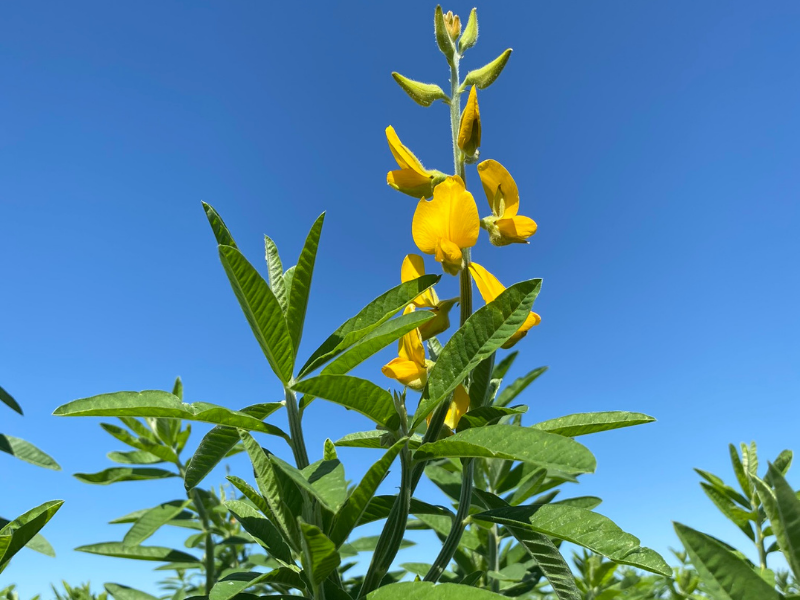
(469, 131)
(414, 267)
(412, 178)
(447, 223)
(410, 367)
(504, 226)
(458, 408)
(490, 288)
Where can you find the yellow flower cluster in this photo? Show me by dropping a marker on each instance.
(446, 224)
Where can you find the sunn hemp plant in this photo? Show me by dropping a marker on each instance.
(449, 416)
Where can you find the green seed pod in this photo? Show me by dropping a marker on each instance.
(443, 39)
(423, 94)
(485, 76)
(470, 35)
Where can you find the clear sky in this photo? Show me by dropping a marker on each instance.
(656, 145)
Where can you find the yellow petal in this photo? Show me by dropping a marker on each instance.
(410, 346)
(469, 131)
(458, 407)
(441, 320)
(488, 285)
(414, 268)
(406, 372)
(404, 157)
(409, 182)
(532, 320)
(516, 229)
(448, 254)
(500, 188)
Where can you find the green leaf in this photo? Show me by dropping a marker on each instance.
(347, 517)
(247, 490)
(9, 401)
(299, 479)
(425, 590)
(726, 576)
(319, 556)
(380, 506)
(480, 384)
(484, 332)
(288, 277)
(369, 543)
(371, 439)
(39, 544)
(515, 388)
(275, 273)
(120, 474)
(550, 561)
(134, 457)
(738, 469)
(221, 233)
(572, 524)
(155, 553)
(26, 451)
(16, 534)
(233, 584)
(486, 75)
(123, 592)
(263, 530)
(783, 511)
(376, 340)
(157, 403)
(327, 479)
(263, 312)
(156, 449)
(273, 489)
(355, 394)
(487, 415)
(645, 558)
(218, 442)
(381, 309)
(584, 423)
(739, 516)
(501, 368)
(301, 286)
(152, 520)
(512, 443)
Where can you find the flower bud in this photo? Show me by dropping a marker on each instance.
(470, 36)
(469, 131)
(453, 25)
(443, 39)
(423, 94)
(485, 76)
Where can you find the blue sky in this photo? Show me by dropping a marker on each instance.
(656, 145)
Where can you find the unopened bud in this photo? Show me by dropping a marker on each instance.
(453, 25)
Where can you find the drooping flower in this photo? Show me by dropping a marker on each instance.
(412, 178)
(414, 267)
(505, 226)
(410, 367)
(469, 131)
(490, 288)
(459, 406)
(447, 223)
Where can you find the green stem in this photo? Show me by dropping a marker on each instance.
(296, 430)
(208, 554)
(493, 559)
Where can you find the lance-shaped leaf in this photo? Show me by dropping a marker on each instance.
(486, 75)
(550, 561)
(725, 575)
(275, 273)
(380, 507)
(248, 492)
(218, 442)
(120, 474)
(783, 511)
(157, 403)
(381, 309)
(155, 553)
(480, 384)
(274, 490)
(221, 232)
(234, 584)
(376, 340)
(123, 592)
(163, 452)
(262, 529)
(152, 520)
(319, 556)
(585, 423)
(372, 439)
(26, 451)
(9, 401)
(355, 394)
(298, 478)
(262, 310)
(487, 415)
(512, 443)
(516, 387)
(577, 525)
(347, 517)
(134, 457)
(15, 534)
(423, 94)
(483, 333)
(501, 369)
(301, 286)
(425, 590)
(326, 477)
